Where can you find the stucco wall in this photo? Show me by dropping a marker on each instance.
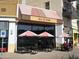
(8, 8)
(57, 5)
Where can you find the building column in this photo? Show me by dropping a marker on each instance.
(58, 33)
(12, 37)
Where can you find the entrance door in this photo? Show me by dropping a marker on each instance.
(5, 45)
(4, 26)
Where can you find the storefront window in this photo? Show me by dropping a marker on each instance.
(4, 26)
(34, 27)
(76, 38)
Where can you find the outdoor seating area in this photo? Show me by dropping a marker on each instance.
(33, 42)
(66, 46)
(29, 44)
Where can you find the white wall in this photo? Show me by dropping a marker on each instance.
(74, 25)
(59, 36)
(12, 33)
(7, 19)
(12, 37)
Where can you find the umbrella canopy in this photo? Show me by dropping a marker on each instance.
(65, 35)
(46, 34)
(28, 33)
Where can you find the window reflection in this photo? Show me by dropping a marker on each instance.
(34, 27)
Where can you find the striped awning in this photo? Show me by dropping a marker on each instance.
(36, 14)
(35, 11)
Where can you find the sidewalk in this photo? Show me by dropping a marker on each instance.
(41, 55)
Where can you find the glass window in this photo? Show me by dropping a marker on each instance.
(34, 27)
(24, 27)
(3, 25)
(3, 9)
(47, 5)
(41, 28)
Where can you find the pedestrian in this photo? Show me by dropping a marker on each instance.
(66, 46)
(70, 45)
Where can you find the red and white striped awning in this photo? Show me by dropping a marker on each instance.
(35, 11)
(28, 33)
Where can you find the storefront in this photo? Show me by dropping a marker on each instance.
(41, 41)
(37, 20)
(8, 32)
(8, 9)
(28, 18)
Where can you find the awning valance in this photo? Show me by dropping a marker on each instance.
(38, 14)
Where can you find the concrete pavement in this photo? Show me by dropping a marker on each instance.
(42, 55)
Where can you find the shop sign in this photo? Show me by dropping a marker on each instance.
(43, 19)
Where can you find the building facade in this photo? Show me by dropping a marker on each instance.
(50, 6)
(8, 14)
(15, 19)
(76, 22)
(70, 17)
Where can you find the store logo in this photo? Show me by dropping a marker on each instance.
(3, 33)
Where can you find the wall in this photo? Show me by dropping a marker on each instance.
(54, 4)
(8, 8)
(57, 5)
(74, 25)
(59, 36)
(39, 3)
